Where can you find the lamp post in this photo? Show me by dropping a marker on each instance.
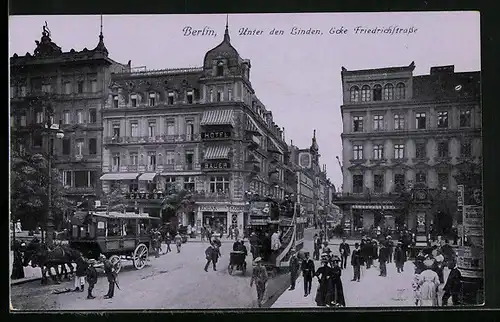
(51, 130)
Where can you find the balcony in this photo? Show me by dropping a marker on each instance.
(114, 139)
(174, 138)
(211, 196)
(79, 190)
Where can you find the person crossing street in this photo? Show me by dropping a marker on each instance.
(212, 255)
(260, 277)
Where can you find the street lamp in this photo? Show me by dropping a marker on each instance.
(52, 130)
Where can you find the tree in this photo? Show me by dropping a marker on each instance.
(175, 204)
(115, 200)
(29, 190)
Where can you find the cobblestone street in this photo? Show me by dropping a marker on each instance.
(173, 281)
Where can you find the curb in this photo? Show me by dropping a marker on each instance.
(24, 280)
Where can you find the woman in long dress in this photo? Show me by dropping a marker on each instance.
(324, 275)
(428, 284)
(336, 284)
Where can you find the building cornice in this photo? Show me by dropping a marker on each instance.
(411, 134)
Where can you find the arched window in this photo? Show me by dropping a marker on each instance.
(377, 92)
(220, 68)
(400, 91)
(388, 92)
(366, 94)
(354, 94)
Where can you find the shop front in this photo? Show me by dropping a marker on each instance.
(221, 216)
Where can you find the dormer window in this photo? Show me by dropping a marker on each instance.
(170, 100)
(115, 101)
(189, 96)
(220, 69)
(152, 99)
(133, 100)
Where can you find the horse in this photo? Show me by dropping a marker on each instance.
(47, 258)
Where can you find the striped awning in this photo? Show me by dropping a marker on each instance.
(120, 176)
(251, 128)
(148, 176)
(218, 117)
(373, 207)
(217, 152)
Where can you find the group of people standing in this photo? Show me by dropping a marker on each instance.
(86, 272)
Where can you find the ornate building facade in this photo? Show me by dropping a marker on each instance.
(70, 88)
(401, 130)
(198, 129)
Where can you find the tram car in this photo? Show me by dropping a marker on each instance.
(268, 216)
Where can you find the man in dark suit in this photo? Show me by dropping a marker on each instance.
(452, 286)
(308, 271)
(344, 251)
(294, 269)
(356, 261)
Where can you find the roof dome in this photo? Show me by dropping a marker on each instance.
(223, 50)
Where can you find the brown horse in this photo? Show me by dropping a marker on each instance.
(39, 254)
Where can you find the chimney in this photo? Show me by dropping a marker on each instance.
(283, 130)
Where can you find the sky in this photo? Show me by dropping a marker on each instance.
(297, 77)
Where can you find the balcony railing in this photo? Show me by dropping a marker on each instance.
(166, 138)
(78, 190)
(210, 196)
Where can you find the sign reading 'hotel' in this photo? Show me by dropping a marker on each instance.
(215, 135)
(215, 165)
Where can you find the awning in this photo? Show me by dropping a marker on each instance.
(251, 127)
(373, 207)
(185, 173)
(217, 152)
(120, 176)
(148, 176)
(218, 117)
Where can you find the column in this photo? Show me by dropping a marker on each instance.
(199, 220)
(89, 173)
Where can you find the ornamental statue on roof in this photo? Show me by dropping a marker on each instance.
(45, 47)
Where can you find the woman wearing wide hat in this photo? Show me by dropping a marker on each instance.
(336, 283)
(324, 275)
(428, 282)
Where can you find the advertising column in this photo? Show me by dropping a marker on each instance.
(470, 259)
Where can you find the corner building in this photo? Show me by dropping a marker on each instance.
(69, 87)
(198, 129)
(401, 130)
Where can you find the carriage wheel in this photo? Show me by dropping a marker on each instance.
(230, 269)
(140, 256)
(116, 262)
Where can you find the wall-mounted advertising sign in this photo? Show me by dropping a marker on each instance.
(215, 165)
(215, 135)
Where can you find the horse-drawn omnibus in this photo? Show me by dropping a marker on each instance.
(116, 235)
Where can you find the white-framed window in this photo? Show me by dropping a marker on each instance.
(189, 96)
(170, 127)
(93, 86)
(133, 100)
(80, 143)
(400, 91)
(39, 117)
(115, 101)
(79, 116)
(66, 117)
(442, 119)
(134, 129)
(67, 178)
(378, 122)
(358, 152)
(46, 88)
(170, 157)
(366, 93)
(420, 119)
(67, 88)
(388, 92)
(134, 158)
(189, 129)
(357, 124)
(116, 130)
(151, 161)
(378, 151)
(170, 99)
(354, 94)
(152, 99)
(22, 91)
(189, 183)
(152, 129)
(219, 184)
(220, 95)
(399, 121)
(22, 120)
(116, 161)
(399, 151)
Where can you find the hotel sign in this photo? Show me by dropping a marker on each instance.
(215, 135)
(220, 208)
(215, 165)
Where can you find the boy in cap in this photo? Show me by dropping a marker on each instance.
(260, 277)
